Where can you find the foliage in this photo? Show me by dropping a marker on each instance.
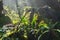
(11, 14)
(25, 29)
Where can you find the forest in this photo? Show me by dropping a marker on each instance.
(29, 20)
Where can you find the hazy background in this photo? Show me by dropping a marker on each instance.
(22, 3)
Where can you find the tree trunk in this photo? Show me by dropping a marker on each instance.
(1, 7)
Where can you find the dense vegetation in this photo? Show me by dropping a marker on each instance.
(30, 23)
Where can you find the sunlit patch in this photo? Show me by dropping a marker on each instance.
(34, 18)
(6, 7)
(12, 15)
(8, 32)
(25, 36)
(43, 24)
(15, 21)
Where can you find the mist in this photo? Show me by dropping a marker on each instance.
(22, 3)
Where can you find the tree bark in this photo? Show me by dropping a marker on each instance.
(1, 7)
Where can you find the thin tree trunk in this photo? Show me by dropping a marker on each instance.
(1, 7)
